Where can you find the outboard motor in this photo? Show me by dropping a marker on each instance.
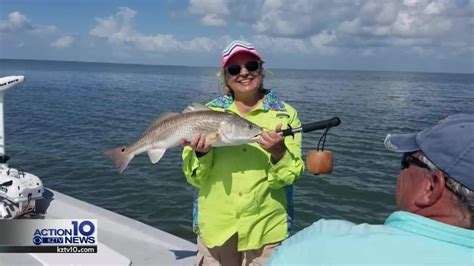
(18, 190)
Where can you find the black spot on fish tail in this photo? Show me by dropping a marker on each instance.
(120, 157)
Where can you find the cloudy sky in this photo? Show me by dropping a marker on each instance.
(394, 35)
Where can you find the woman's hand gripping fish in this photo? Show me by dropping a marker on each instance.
(220, 129)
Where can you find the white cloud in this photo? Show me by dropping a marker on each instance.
(414, 3)
(322, 42)
(323, 38)
(19, 31)
(63, 42)
(212, 12)
(388, 19)
(380, 13)
(357, 24)
(213, 20)
(297, 18)
(115, 28)
(280, 44)
(199, 44)
(16, 21)
(349, 26)
(19, 23)
(159, 42)
(119, 31)
(436, 7)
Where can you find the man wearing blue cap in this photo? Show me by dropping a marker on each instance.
(435, 196)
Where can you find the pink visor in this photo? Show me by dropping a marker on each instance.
(237, 47)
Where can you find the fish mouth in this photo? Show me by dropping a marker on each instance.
(255, 138)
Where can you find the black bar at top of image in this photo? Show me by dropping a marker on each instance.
(45, 249)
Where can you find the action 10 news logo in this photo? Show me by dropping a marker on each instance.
(49, 236)
(79, 232)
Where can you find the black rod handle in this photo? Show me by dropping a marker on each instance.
(333, 122)
(323, 124)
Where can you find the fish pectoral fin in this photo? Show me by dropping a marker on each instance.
(156, 154)
(213, 138)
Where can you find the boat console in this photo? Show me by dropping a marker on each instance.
(18, 190)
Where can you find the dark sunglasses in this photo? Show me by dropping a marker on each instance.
(250, 66)
(408, 159)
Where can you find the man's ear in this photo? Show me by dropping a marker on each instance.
(433, 188)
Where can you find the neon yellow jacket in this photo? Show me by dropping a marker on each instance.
(239, 189)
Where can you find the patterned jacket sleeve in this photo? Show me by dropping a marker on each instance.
(196, 169)
(288, 169)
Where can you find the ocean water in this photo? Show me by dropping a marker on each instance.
(60, 122)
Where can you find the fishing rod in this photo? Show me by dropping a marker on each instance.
(323, 124)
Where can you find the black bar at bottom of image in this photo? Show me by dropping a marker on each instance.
(49, 249)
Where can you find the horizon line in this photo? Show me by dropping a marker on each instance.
(217, 67)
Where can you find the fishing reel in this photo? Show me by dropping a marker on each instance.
(318, 161)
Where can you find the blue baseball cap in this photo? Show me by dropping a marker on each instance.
(449, 145)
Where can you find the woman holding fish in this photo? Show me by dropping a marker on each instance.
(244, 206)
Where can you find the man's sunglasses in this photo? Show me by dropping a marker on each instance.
(250, 66)
(408, 159)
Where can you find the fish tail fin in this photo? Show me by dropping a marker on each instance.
(121, 157)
